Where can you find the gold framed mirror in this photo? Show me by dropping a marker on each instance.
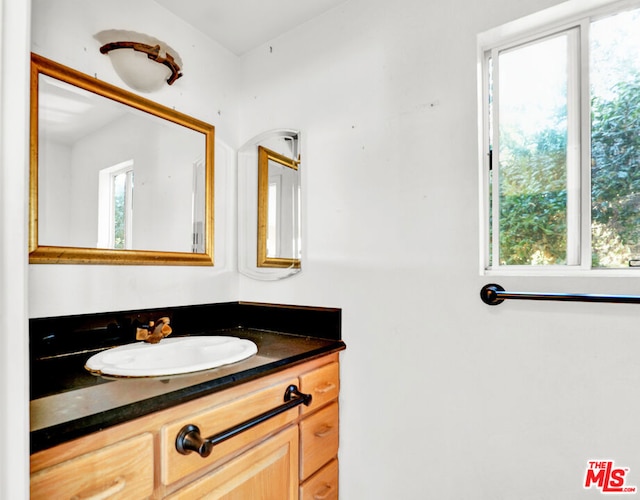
(115, 178)
(278, 210)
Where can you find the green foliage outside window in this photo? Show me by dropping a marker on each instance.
(533, 221)
(615, 175)
(533, 196)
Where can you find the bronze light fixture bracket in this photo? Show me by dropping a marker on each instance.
(153, 53)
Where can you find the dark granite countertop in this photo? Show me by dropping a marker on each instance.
(68, 402)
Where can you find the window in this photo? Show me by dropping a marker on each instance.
(198, 206)
(561, 144)
(115, 206)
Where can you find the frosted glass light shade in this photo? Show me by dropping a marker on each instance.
(137, 69)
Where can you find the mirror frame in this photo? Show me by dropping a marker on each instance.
(74, 255)
(264, 155)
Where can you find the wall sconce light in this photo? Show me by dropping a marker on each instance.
(144, 63)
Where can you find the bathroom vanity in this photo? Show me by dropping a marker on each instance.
(94, 437)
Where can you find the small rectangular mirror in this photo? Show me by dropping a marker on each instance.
(115, 178)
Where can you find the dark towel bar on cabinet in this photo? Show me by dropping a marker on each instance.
(493, 295)
(189, 438)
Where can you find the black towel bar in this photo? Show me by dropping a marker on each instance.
(189, 438)
(493, 295)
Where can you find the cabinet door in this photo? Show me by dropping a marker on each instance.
(268, 471)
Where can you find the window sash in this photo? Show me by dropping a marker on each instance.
(578, 147)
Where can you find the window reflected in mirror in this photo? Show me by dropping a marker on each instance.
(115, 206)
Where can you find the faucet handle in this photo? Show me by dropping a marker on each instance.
(155, 331)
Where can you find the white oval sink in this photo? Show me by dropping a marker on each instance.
(171, 356)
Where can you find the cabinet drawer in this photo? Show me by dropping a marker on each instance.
(319, 439)
(217, 419)
(323, 485)
(121, 471)
(323, 384)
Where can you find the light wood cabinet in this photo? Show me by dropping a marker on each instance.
(323, 384)
(215, 419)
(319, 439)
(292, 455)
(122, 470)
(323, 485)
(267, 471)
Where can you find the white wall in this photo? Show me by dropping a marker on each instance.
(443, 397)
(63, 31)
(14, 168)
(54, 193)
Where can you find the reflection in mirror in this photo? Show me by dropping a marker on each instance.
(278, 210)
(115, 178)
(269, 206)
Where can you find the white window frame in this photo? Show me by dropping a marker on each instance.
(573, 14)
(106, 207)
(198, 206)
